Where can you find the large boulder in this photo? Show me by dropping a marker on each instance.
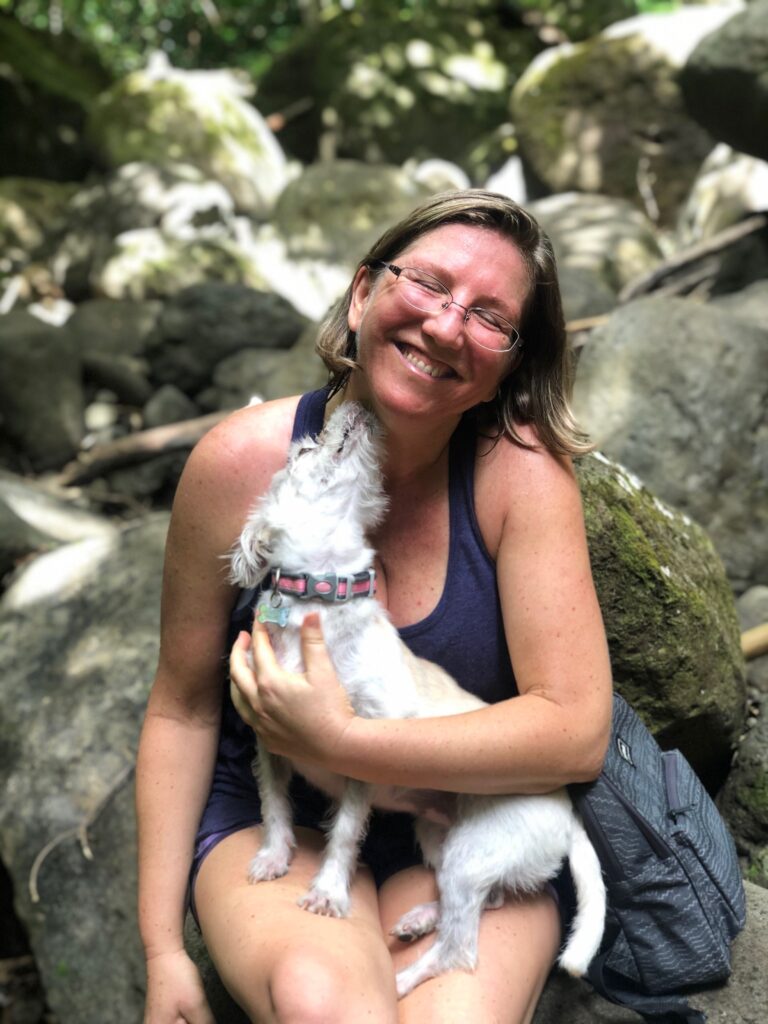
(606, 115)
(78, 647)
(675, 390)
(724, 81)
(741, 1001)
(669, 617)
(162, 115)
(41, 394)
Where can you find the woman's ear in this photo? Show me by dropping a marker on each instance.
(361, 291)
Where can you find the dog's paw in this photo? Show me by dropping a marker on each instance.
(317, 901)
(420, 920)
(269, 864)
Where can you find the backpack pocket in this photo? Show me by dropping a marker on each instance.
(671, 941)
(705, 847)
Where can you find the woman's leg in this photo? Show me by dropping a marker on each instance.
(282, 964)
(517, 947)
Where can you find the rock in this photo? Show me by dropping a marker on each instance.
(160, 113)
(111, 328)
(600, 243)
(125, 376)
(168, 405)
(265, 374)
(336, 210)
(750, 303)
(581, 112)
(41, 394)
(741, 1001)
(744, 799)
(669, 616)
(147, 264)
(78, 647)
(203, 324)
(724, 83)
(387, 88)
(674, 389)
(728, 187)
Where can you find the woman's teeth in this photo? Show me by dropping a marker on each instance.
(425, 367)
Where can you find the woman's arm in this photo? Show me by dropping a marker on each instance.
(180, 732)
(556, 731)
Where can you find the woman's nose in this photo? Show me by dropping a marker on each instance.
(448, 326)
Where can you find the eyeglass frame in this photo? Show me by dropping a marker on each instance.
(468, 310)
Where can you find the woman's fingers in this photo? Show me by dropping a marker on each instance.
(317, 662)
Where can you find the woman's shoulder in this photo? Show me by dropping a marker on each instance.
(233, 464)
(516, 480)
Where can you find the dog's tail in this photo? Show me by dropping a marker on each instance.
(588, 925)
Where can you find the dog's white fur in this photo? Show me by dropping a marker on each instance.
(314, 519)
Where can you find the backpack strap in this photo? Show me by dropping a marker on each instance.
(667, 1009)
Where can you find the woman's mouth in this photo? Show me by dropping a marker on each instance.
(436, 370)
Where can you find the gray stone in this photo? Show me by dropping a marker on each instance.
(601, 244)
(750, 303)
(168, 405)
(267, 374)
(208, 322)
(110, 328)
(78, 648)
(724, 81)
(336, 210)
(675, 390)
(744, 799)
(41, 393)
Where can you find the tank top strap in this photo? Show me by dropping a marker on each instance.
(310, 414)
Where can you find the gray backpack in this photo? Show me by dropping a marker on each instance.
(674, 890)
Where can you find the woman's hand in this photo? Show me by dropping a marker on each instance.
(175, 992)
(300, 715)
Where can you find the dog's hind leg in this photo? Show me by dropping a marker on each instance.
(455, 947)
(278, 840)
(329, 892)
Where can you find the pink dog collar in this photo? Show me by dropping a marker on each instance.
(328, 586)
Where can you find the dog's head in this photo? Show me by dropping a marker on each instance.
(317, 511)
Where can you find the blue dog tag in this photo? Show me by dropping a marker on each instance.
(267, 613)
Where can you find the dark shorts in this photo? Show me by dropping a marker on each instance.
(389, 847)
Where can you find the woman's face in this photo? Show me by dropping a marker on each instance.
(419, 363)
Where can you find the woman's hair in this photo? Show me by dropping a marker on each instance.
(537, 392)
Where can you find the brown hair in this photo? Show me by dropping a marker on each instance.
(538, 391)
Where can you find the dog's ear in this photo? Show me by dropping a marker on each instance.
(252, 554)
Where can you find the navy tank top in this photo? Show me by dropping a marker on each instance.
(464, 634)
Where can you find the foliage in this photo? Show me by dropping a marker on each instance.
(252, 33)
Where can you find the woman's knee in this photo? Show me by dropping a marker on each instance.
(314, 985)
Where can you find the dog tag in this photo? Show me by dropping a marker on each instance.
(267, 613)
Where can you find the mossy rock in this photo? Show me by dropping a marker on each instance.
(669, 615)
(592, 116)
(162, 115)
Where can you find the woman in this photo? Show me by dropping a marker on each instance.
(452, 332)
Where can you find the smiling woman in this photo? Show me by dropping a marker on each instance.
(452, 333)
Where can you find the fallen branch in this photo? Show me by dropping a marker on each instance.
(754, 642)
(687, 257)
(144, 444)
(78, 831)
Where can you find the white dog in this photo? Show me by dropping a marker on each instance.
(308, 536)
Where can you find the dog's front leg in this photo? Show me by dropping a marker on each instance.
(278, 840)
(329, 892)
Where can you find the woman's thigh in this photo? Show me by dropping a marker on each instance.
(517, 947)
(280, 962)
